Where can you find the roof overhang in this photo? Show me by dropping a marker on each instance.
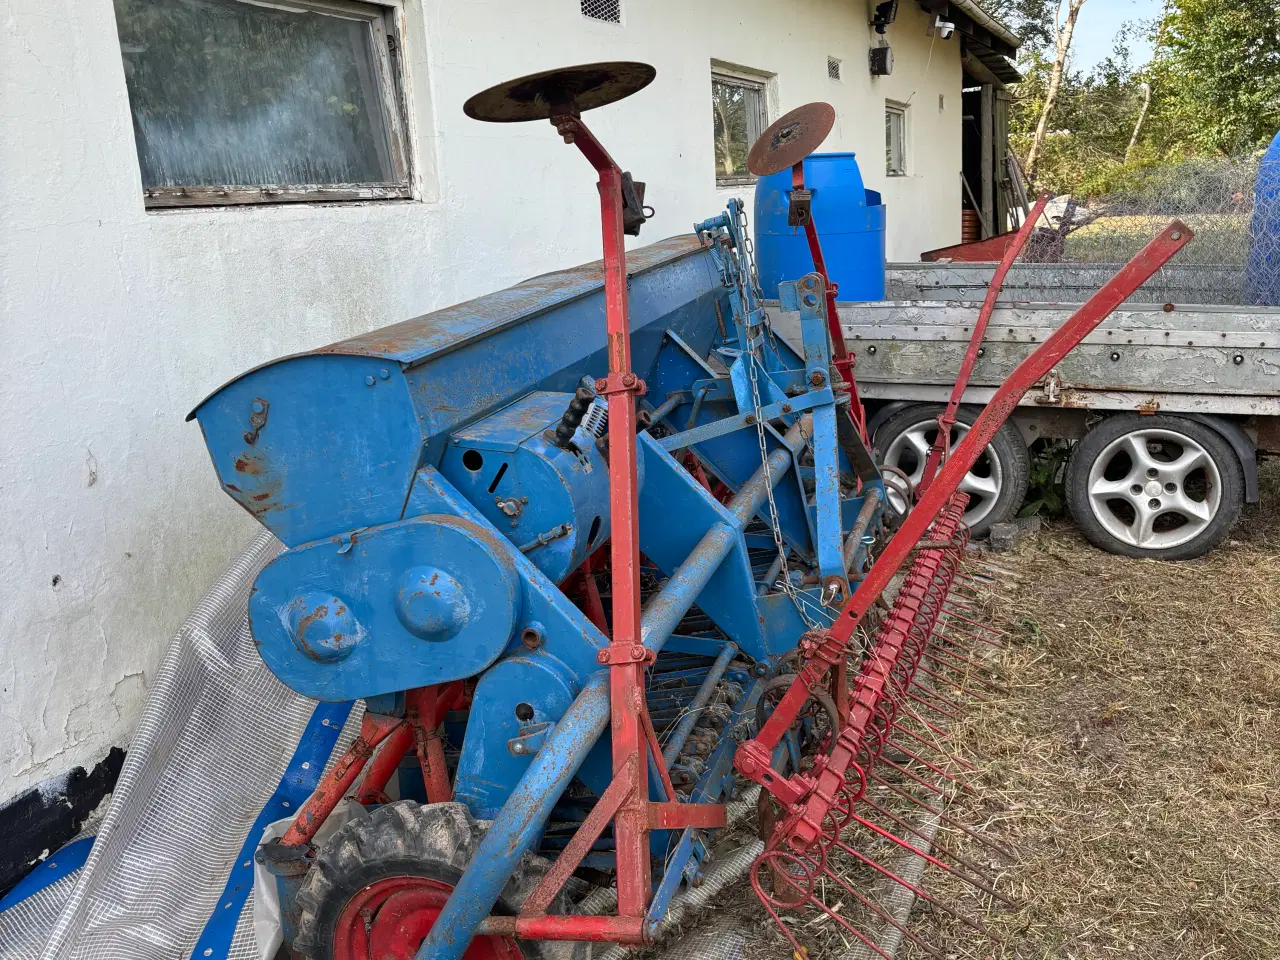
(990, 46)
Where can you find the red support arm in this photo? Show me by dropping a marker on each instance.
(947, 420)
(754, 756)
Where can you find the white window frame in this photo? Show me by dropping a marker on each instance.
(900, 110)
(761, 84)
(384, 20)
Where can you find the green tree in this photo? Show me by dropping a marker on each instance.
(1216, 74)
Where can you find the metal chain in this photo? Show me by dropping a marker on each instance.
(750, 276)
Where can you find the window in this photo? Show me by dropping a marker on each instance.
(239, 102)
(739, 118)
(609, 11)
(833, 68)
(895, 139)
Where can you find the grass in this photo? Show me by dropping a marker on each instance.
(1133, 765)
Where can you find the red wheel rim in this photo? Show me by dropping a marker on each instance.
(388, 920)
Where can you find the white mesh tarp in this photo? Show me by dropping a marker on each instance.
(220, 747)
(216, 738)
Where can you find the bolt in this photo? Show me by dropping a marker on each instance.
(1136, 489)
(1153, 503)
(1176, 235)
(872, 350)
(817, 379)
(1114, 356)
(1171, 488)
(1238, 359)
(628, 379)
(982, 351)
(258, 406)
(786, 408)
(1153, 473)
(749, 419)
(602, 656)
(637, 652)
(368, 381)
(602, 385)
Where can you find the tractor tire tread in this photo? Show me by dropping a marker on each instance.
(404, 838)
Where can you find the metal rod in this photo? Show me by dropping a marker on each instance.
(698, 704)
(860, 526)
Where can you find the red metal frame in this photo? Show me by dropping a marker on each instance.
(947, 419)
(841, 356)
(626, 801)
(809, 797)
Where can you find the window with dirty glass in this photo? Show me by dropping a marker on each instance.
(738, 119)
(895, 140)
(243, 102)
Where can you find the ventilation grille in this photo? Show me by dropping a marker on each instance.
(833, 65)
(609, 11)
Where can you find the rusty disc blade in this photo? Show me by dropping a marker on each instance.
(540, 95)
(791, 138)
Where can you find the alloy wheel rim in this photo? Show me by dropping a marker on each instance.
(983, 482)
(1143, 489)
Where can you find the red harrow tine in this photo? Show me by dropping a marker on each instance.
(895, 697)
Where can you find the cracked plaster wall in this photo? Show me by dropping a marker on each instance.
(114, 322)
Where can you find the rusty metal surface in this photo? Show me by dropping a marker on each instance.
(538, 95)
(432, 334)
(791, 138)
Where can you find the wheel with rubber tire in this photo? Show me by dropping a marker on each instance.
(1162, 487)
(997, 482)
(378, 885)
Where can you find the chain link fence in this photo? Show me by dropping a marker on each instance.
(1235, 255)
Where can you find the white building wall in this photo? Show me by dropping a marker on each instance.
(114, 322)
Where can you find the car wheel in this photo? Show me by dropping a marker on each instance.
(997, 482)
(1154, 486)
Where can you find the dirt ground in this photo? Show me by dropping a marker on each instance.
(1133, 765)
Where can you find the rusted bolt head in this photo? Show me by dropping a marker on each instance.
(1168, 307)
(786, 408)
(817, 379)
(637, 652)
(602, 385)
(749, 419)
(602, 656)
(531, 637)
(628, 379)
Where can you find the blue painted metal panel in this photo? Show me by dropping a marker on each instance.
(671, 491)
(408, 604)
(337, 450)
(509, 467)
(62, 863)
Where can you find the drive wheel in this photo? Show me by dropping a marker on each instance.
(378, 885)
(1154, 486)
(997, 482)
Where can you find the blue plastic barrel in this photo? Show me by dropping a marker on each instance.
(850, 220)
(1262, 272)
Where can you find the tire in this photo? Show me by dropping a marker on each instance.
(997, 484)
(405, 839)
(1160, 487)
